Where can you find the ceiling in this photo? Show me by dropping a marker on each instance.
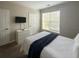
(38, 4)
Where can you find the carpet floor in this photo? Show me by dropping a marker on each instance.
(11, 50)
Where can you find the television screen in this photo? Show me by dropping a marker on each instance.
(20, 19)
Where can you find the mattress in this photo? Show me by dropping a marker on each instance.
(61, 47)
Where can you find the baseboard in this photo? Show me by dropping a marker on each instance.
(11, 41)
(8, 43)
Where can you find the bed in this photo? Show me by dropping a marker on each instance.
(61, 47)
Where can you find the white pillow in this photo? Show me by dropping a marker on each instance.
(77, 38)
(76, 46)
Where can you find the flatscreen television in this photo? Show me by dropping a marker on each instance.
(20, 19)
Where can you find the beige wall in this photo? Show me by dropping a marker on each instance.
(17, 10)
(69, 18)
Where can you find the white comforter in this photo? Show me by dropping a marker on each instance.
(61, 47)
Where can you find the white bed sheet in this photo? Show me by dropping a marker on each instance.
(61, 47)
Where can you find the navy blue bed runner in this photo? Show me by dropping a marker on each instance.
(38, 45)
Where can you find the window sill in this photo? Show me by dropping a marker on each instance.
(49, 31)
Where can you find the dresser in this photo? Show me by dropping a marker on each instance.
(21, 35)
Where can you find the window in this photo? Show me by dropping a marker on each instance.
(51, 21)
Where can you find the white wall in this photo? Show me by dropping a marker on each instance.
(18, 10)
(69, 18)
